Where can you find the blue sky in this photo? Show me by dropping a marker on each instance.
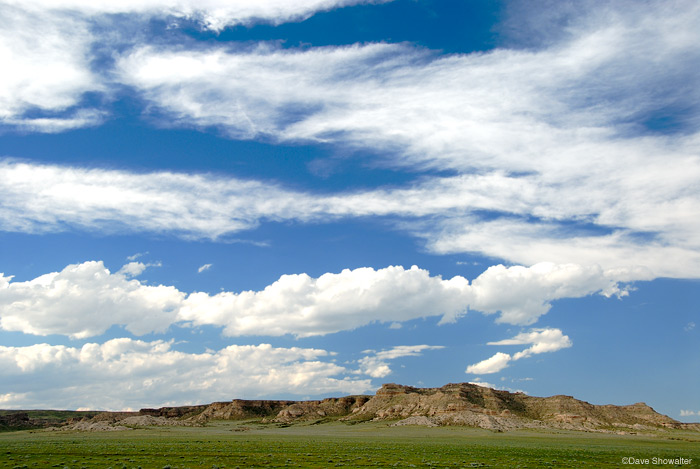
(263, 199)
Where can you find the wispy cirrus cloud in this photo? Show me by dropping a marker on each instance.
(554, 148)
(46, 67)
(446, 212)
(213, 14)
(48, 49)
(513, 108)
(557, 147)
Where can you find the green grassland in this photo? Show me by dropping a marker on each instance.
(335, 444)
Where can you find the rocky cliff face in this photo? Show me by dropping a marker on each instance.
(175, 412)
(472, 405)
(332, 407)
(453, 404)
(17, 420)
(276, 411)
(240, 409)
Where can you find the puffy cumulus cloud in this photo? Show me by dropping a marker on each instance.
(376, 364)
(305, 306)
(523, 294)
(130, 374)
(86, 299)
(562, 136)
(690, 413)
(542, 340)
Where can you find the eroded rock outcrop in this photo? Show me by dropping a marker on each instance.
(331, 407)
(462, 404)
(242, 409)
(478, 406)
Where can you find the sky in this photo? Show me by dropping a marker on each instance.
(202, 201)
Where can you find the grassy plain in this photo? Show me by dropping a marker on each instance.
(335, 444)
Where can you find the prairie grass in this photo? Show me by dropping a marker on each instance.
(249, 444)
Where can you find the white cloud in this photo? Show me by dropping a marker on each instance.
(376, 364)
(542, 340)
(133, 257)
(125, 373)
(555, 136)
(689, 327)
(40, 198)
(203, 268)
(486, 384)
(493, 364)
(78, 119)
(550, 143)
(84, 300)
(522, 294)
(483, 384)
(690, 413)
(45, 61)
(47, 46)
(643, 255)
(214, 14)
(87, 299)
(304, 306)
(132, 269)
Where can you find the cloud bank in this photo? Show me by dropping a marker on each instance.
(85, 300)
(132, 374)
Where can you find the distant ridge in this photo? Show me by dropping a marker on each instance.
(462, 404)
